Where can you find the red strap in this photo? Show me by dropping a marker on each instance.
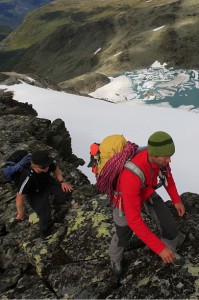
(94, 148)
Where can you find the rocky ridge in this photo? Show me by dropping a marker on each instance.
(73, 263)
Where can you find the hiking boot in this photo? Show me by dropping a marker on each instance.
(116, 268)
(180, 239)
(178, 261)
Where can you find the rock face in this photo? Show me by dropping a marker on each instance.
(73, 263)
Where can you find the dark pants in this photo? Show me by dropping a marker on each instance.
(40, 204)
(157, 209)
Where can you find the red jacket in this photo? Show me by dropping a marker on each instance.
(133, 196)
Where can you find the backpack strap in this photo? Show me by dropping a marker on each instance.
(139, 149)
(136, 170)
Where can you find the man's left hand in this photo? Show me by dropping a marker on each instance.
(66, 187)
(180, 208)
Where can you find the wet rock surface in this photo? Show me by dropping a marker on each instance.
(73, 262)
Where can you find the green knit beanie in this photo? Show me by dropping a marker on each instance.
(160, 143)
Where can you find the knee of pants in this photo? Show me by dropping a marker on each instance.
(60, 196)
(170, 235)
(124, 233)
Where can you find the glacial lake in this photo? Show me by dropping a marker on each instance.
(157, 85)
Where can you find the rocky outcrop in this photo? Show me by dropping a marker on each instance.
(84, 84)
(9, 106)
(11, 78)
(74, 263)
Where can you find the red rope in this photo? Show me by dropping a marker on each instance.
(106, 182)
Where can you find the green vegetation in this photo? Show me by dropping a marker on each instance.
(4, 31)
(68, 38)
(45, 20)
(34, 29)
(12, 12)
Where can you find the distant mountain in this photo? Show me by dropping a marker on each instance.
(4, 31)
(66, 39)
(12, 12)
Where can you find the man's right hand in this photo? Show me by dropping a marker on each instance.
(167, 255)
(20, 217)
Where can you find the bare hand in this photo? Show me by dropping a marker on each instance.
(167, 255)
(66, 187)
(180, 208)
(20, 217)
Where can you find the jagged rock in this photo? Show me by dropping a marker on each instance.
(10, 106)
(36, 133)
(90, 222)
(45, 254)
(83, 280)
(74, 263)
(29, 286)
(59, 138)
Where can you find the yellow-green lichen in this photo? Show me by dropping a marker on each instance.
(37, 259)
(193, 270)
(197, 282)
(144, 281)
(95, 204)
(84, 217)
(11, 220)
(97, 278)
(97, 219)
(89, 257)
(24, 245)
(43, 251)
(53, 238)
(102, 230)
(78, 221)
(38, 264)
(195, 295)
(33, 218)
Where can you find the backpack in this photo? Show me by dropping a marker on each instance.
(15, 163)
(101, 153)
(108, 160)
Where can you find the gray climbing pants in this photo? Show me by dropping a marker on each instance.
(159, 212)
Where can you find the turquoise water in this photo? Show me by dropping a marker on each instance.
(187, 98)
(156, 86)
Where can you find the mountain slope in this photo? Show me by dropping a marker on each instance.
(66, 39)
(4, 31)
(12, 12)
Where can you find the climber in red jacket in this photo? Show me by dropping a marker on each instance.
(134, 195)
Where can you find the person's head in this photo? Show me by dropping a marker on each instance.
(160, 148)
(40, 161)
